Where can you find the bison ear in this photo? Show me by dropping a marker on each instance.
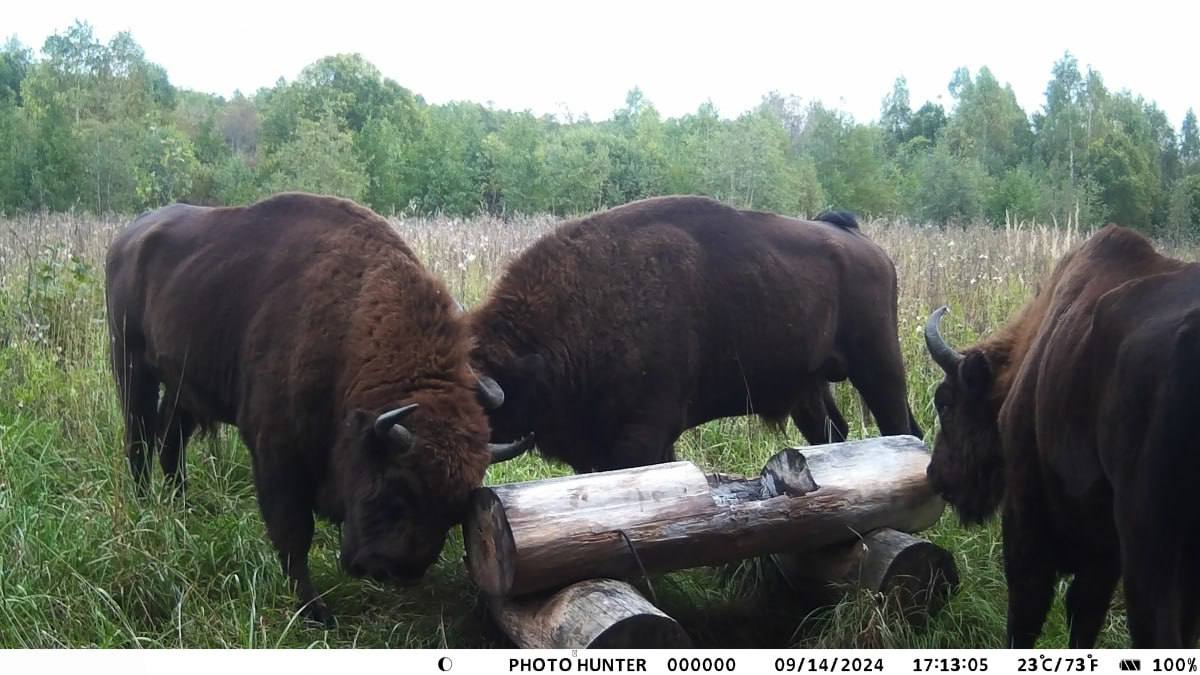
(359, 421)
(975, 374)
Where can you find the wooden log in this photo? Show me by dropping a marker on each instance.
(528, 537)
(909, 575)
(592, 614)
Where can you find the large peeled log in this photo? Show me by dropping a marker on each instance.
(541, 535)
(592, 614)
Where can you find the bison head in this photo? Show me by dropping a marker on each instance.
(967, 468)
(405, 481)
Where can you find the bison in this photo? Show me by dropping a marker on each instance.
(1074, 420)
(619, 330)
(309, 324)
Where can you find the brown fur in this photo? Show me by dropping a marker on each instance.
(1059, 419)
(619, 330)
(299, 319)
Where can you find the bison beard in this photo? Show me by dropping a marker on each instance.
(306, 322)
(1075, 420)
(618, 331)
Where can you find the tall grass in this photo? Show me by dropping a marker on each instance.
(83, 563)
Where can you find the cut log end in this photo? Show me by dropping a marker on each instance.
(488, 540)
(645, 631)
(592, 614)
(909, 575)
(920, 578)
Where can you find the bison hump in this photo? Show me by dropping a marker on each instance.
(843, 219)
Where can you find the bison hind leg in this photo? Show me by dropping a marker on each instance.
(138, 390)
(817, 416)
(177, 427)
(1088, 597)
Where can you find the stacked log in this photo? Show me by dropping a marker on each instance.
(528, 540)
(909, 575)
(592, 614)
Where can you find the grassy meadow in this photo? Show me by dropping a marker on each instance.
(84, 563)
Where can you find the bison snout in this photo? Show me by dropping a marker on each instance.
(935, 480)
(384, 569)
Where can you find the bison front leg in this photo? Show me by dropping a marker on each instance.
(289, 522)
(650, 439)
(877, 371)
(1030, 574)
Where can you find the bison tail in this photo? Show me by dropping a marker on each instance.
(843, 219)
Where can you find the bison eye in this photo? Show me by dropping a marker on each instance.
(941, 400)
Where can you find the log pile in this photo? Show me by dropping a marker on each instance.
(538, 549)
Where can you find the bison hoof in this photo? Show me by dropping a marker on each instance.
(318, 612)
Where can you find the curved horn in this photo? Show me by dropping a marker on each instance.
(502, 452)
(942, 353)
(387, 426)
(487, 391)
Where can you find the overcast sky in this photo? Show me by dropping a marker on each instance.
(553, 57)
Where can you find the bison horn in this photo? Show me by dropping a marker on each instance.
(487, 391)
(942, 353)
(502, 452)
(388, 427)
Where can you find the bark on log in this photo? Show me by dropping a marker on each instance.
(909, 575)
(592, 614)
(528, 537)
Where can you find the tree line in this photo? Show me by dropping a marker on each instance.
(95, 126)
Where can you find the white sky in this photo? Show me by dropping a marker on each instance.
(550, 57)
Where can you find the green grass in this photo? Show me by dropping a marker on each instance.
(83, 563)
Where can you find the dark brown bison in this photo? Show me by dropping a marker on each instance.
(1076, 419)
(618, 331)
(306, 322)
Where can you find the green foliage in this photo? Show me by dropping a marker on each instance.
(1125, 178)
(1185, 206)
(896, 117)
(16, 160)
(638, 154)
(1062, 137)
(1189, 142)
(577, 169)
(165, 166)
(927, 122)
(988, 125)
(235, 181)
(56, 171)
(948, 189)
(515, 155)
(94, 125)
(319, 158)
(1015, 198)
(448, 173)
(850, 162)
(15, 62)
